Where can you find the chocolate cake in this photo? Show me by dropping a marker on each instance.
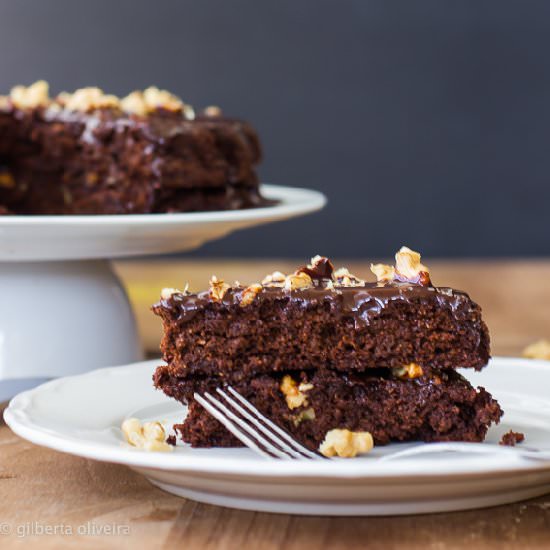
(93, 153)
(324, 352)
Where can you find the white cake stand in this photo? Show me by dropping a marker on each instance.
(62, 309)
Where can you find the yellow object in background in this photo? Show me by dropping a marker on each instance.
(538, 350)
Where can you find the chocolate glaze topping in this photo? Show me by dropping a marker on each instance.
(359, 302)
(422, 279)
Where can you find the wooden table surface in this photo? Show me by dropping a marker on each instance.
(43, 491)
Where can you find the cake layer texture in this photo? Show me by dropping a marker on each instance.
(438, 406)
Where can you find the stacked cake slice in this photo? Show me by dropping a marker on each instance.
(333, 359)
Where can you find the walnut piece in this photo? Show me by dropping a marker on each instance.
(538, 350)
(134, 103)
(274, 279)
(343, 277)
(149, 100)
(316, 260)
(345, 443)
(383, 272)
(408, 266)
(88, 99)
(149, 436)
(155, 98)
(166, 293)
(218, 289)
(6, 180)
(295, 394)
(306, 414)
(29, 97)
(297, 281)
(213, 111)
(320, 268)
(249, 294)
(410, 371)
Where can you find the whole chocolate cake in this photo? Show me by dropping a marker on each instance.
(93, 153)
(327, 355)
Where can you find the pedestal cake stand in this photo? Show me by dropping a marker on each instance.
(63, 310)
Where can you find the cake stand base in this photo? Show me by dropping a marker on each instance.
(63, 317)
(62, 309)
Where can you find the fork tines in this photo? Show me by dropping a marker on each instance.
(251, 427)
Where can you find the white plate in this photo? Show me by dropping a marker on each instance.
(81, 415)
(37, 238)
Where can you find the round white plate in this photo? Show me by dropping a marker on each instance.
(38, 238)
(82, 414)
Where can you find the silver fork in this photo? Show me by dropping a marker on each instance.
(264, 437)
(252, 428)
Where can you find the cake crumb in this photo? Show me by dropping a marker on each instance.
(538, 350)
(511, 438)
(171, 440)
(345, 443)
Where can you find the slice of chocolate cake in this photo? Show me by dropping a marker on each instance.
(321, 351)
(92, 153)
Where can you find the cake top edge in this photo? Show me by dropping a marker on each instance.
(89, 99)
(320, 274)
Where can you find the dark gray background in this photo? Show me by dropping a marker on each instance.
(424, 122)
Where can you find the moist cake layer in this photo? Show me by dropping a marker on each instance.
(434, 407)
(89, 153)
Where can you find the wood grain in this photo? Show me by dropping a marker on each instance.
(42, 488)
